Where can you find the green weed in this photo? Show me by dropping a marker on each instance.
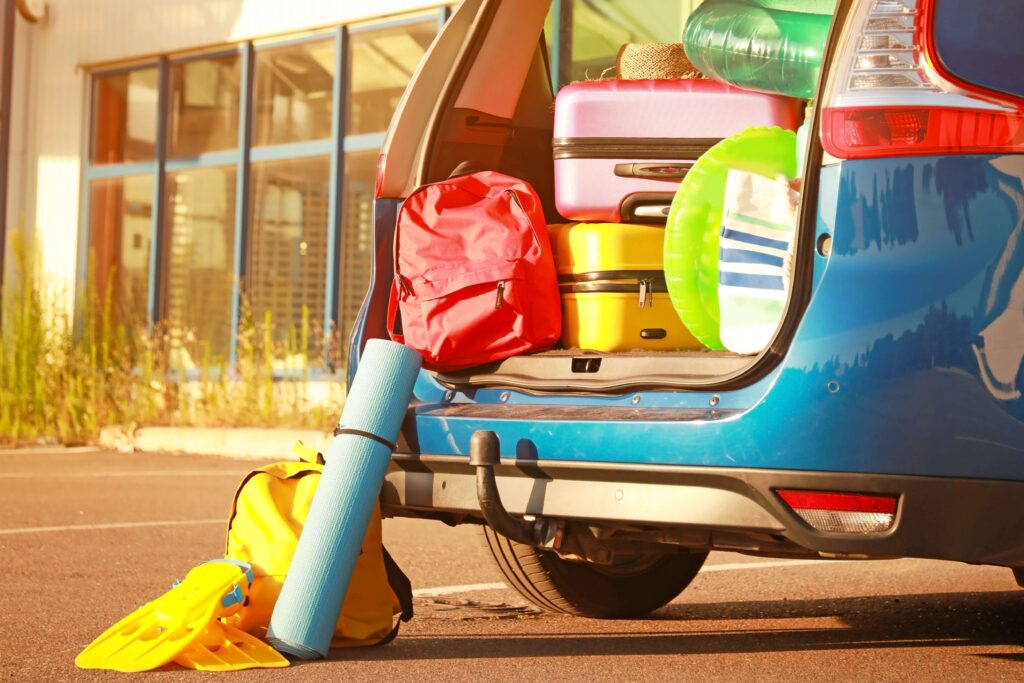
(63, 380)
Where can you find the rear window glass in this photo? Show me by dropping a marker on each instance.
(590, 32)
(982, 42)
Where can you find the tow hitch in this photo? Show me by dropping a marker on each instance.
(484, 454)
(571, 540)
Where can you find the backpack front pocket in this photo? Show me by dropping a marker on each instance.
(480, 312)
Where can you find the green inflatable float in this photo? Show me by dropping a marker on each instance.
(695, 220)
(771, 46)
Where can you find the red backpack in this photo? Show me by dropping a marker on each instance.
(475, 278)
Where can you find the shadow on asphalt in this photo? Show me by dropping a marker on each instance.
(1005, 656)
(929, 620)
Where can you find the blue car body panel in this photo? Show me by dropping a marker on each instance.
(907, 360)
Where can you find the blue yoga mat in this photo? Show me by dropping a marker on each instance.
(307, 610)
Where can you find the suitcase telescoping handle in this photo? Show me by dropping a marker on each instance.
(660, 171)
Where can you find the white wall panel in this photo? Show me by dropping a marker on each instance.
(106, 30)
(19, 191)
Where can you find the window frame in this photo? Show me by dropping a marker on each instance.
(242, 158)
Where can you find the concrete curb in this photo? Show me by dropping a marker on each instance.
(245, 443)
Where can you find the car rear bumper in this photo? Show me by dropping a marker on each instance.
(966, 520)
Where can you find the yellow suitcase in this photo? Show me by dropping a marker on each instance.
(612, 283)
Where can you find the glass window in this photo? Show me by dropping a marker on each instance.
(196, 104)
(120, 231)
(357, 236)
(124, 117)
(382, 62)
(293, 93)
(204, 105)
(600, 27)
(979, 42)
(286, 268)
(198, 261)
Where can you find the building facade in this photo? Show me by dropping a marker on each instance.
(211, 163)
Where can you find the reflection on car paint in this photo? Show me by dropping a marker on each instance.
(1000, 349)
(938, 245)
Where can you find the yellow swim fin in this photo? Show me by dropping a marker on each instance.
(226, 648)
(159, 631)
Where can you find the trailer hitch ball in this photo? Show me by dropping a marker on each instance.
(484, 449)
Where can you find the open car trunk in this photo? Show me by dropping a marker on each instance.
(496, 112)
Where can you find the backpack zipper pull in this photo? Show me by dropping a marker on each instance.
(501, 295)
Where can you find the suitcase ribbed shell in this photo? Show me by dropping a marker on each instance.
(613, 289)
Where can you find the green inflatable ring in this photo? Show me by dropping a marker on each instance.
(695, 221)
(763, 45)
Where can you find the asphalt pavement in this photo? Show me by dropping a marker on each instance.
(86, 536)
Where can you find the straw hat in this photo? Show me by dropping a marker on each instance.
(644, 61)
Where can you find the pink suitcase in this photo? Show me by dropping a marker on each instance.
(622, 147)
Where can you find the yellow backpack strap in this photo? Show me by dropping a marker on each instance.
(307, 454)
(402, 588)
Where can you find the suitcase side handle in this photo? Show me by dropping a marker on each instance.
(646, 207)
(660, 171)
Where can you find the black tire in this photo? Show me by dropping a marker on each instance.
(628, 590)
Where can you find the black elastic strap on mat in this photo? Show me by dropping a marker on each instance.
(369, 435)
(402, 588)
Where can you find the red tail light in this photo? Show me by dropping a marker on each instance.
(889, 96)
(859, 132)
(841, 512)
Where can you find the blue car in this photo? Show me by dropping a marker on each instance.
(884, 420)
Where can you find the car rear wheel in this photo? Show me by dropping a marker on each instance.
(632, 587)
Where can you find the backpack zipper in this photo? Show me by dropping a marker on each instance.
(515, 198)
(533, 229)
(501, 295)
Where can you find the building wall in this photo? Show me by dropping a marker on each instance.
(51, 78)
(20, 191)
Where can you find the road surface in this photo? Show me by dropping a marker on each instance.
(86, 536)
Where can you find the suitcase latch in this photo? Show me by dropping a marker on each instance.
(646, 293)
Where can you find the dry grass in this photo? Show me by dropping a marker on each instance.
(63, 382)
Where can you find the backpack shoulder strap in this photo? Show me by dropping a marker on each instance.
(402, 588)
(307, 453)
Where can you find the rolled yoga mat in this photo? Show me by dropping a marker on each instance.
(307, 610)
